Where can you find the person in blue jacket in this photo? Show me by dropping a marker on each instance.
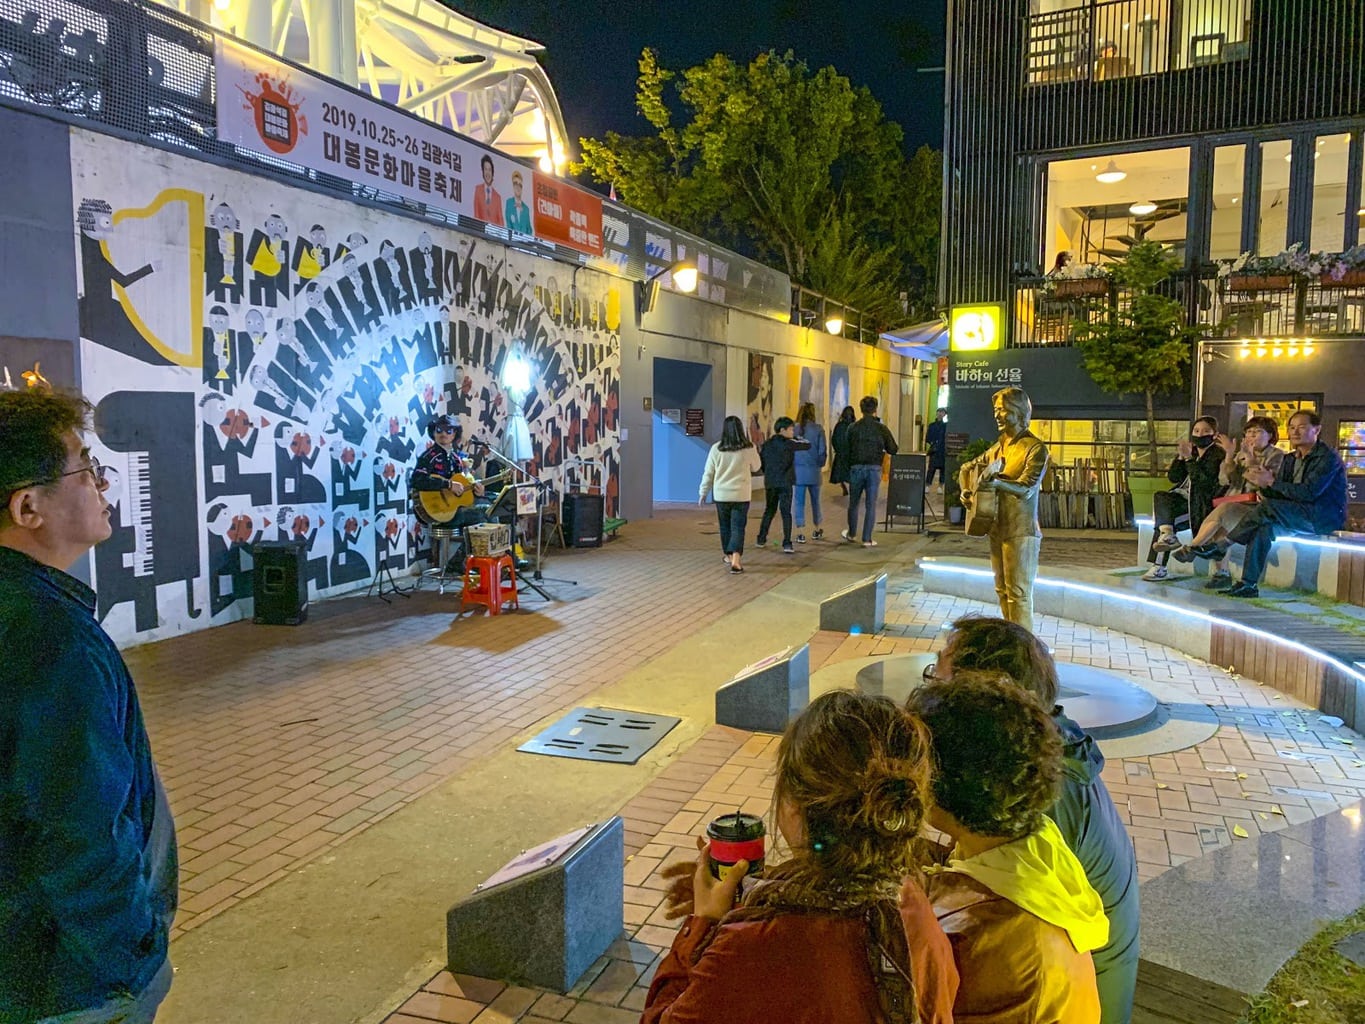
(88, 866)
(1084, 811)
(809, 462)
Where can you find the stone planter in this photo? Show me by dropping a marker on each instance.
(1142, 488)
(1260, 282)
(1081, 287)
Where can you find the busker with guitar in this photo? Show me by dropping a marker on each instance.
(444, 494)
(1000, 490)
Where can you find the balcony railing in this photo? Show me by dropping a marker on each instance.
(1232, 306)
(1108, 39)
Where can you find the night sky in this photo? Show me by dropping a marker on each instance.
(592, 49)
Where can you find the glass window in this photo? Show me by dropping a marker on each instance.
(1098, 207)
(1118, 442)
(1212, 31)
(1330, 164)
(1351, 444)
(1272, 223)
(1225, 228)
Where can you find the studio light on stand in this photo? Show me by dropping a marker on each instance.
(684, 273)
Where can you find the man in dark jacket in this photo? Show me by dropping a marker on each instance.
(779, 477)
(88, 868)
(1307, 496)
(868, 441)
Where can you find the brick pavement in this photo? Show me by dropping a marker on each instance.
(1271, 763)
(278, 743)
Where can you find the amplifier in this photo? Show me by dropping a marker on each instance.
(279, 582)
(581, 516)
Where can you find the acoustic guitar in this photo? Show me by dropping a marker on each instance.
(980, 504)
(438, 507)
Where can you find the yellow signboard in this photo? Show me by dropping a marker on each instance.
(976, 328)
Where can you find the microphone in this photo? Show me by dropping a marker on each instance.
(476, 443)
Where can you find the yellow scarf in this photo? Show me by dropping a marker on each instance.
(1040, 874)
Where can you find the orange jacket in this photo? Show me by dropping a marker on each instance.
(796, 969)
(1015, 968)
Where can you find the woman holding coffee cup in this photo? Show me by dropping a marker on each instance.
(831, 933)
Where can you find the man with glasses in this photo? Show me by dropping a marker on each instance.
(88, 867)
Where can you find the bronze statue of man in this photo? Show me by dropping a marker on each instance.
(1011, 472)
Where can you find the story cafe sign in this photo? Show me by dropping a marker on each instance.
(270, 107)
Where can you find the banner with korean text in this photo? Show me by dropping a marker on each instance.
(270, 107)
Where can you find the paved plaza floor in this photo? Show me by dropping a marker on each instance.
(338, 785)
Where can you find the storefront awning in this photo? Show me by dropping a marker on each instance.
(927, 341)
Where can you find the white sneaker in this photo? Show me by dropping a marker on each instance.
(1168, 541)
(869, 543)
(844, 534)
(1155, 573)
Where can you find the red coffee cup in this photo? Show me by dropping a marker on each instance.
(735, 837)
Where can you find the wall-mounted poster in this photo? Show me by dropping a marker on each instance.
(838, 391)
(759, 410)
(810, 387)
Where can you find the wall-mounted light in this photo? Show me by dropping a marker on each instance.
(684, 273)
(221, 5)
(1111, 174)
(1141, 209)
(835, 325)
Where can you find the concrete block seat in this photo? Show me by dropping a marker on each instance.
(1333, 566)
(1320, 665)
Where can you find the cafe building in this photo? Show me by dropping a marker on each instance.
(1077, 128)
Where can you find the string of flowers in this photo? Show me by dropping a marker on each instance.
(1299, 262)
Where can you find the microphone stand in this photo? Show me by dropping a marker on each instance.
(541, 486)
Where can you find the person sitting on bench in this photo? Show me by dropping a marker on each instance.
(1307, 496)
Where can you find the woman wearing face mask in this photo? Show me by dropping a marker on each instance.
(1195, 476)
(1257, 449)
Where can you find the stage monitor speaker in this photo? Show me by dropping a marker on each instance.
(581, 516)
(280, 582)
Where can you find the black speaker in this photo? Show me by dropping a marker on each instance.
(581, 516)
(280, 585)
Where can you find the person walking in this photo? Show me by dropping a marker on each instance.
(778, 456)
(809, 462)
(936, 441)
(838, 443)
(728, 478)
(868, 441)
(88, 863)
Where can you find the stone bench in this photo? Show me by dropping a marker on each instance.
(1333, 566)
(1321, 666)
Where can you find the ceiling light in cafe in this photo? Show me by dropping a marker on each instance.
(1142, 208)
(1111, 174)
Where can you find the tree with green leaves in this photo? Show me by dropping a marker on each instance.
(1143, 345)
(794, 167)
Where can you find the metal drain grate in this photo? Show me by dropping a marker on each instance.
(601, 734)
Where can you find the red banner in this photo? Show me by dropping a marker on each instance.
(567, 215)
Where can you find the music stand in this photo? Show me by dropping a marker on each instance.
(542, 486)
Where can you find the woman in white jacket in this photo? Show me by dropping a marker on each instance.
(729, 478)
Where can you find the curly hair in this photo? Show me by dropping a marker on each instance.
(856, 769)
(986, 644)
(997, 753)
(33, 427)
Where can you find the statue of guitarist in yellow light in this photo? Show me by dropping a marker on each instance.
(1000, 488)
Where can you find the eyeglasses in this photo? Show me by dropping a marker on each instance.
(930, 675)
(97, 473)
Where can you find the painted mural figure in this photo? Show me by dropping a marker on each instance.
(302, 530)
(103, 317)
(392, 278)
(1012, 471)
(311, 257)
(295, 458)
(224, 278)
(358, 294)
(229, 543)
(268, 257)
(426, 270)
(346, 473)
(347, 564)
(229, 443)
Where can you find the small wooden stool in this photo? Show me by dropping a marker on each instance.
(483, 582)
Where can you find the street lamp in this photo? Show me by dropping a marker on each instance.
(684, 273)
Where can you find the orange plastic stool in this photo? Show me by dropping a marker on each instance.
(483, 582)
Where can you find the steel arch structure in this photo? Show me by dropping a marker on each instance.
(417, 54)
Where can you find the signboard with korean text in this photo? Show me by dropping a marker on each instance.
(565, 215)
(270, 107)
(982, 374)
(695, 422)
(905, 489)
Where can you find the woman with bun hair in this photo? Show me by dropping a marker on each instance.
(842, 929)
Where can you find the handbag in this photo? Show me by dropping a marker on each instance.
(1245, 498)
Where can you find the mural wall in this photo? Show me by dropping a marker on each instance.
(264, 361)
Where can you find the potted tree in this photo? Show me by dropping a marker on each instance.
(1143, 345)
